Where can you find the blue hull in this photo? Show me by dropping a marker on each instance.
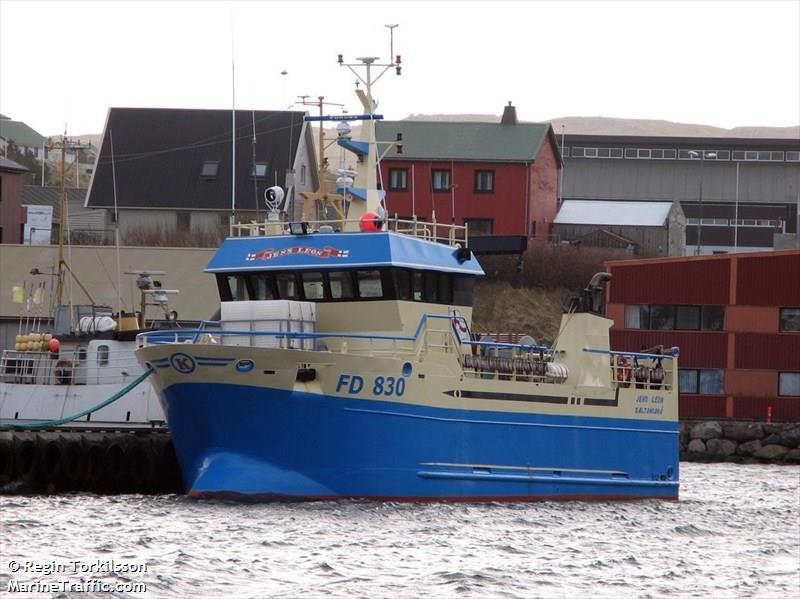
(271, 444)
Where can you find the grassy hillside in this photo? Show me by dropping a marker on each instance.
(529, 300)
(502, 308)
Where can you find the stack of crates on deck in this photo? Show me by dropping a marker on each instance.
(279, 316)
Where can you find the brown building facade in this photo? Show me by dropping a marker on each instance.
(735, 318)
(12, 215)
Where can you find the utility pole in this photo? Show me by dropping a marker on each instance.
(64, 144)
(320, 103)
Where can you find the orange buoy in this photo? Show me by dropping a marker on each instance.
(370, 222)
(54, 345)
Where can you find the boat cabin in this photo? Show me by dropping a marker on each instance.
(376, 282)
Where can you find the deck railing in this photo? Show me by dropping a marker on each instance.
(67, 367)
(450, 234)
(436, 333)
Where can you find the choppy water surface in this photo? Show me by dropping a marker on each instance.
(735, 533)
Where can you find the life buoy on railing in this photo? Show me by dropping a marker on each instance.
(63, 372)
(622, 371)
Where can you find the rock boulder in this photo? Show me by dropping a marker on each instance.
(771, 452)
(743, 431)
(721, 448)
(705, 430)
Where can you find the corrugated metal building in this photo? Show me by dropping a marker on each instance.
(736, 319)
(649, 228)
(736, 193)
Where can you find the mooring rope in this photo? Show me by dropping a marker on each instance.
(103, 404)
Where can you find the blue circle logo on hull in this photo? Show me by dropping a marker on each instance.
(183, 363)
(245, 365)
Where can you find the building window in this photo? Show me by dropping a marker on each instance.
(704, 382)
(477, 227)
(789, 384)
(210, 169)
(662, 318)
(669, 317)
(398, 179)
(302, 174)
(565, 152)
(758, 155)
(790, 320)
(792, 156)
(687, 381)
(440, 180)
(597, 152)
(184, 221)
(484, 181)
(687, 318)
(712, 382)
(259, 171)
(712, 318)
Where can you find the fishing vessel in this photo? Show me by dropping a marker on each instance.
(344, 365)
(63, 369)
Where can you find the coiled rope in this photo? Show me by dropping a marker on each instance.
(51, 423)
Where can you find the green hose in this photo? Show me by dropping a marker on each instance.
(103, 404)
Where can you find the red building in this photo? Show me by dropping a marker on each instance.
(12, 214)
(497, 178)
(735, 318)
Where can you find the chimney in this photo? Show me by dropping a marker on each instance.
(509, 115)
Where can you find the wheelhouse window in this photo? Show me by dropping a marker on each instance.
(484, 181)
(350, 285)
(233, 288)
(263, 285)
(402, 283)
(313, 286)
(369, 283)
(440, 180)
(287, 285)
(341, 283)
(398, 179)
(790, 320)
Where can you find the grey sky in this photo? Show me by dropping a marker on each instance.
(717, 63)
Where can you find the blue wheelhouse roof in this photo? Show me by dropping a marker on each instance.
(322, 251)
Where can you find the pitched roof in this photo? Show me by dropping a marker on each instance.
(36, 195)
(11, 166)
(436, 140)
(159, 155)
(597, 212)
(21, 134)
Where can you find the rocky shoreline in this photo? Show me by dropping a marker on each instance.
(740, 442)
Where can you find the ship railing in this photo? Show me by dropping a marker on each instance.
(434, 333)
(651, 369)
(450, 234)
(67, 367)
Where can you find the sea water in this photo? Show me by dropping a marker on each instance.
(734, 533)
